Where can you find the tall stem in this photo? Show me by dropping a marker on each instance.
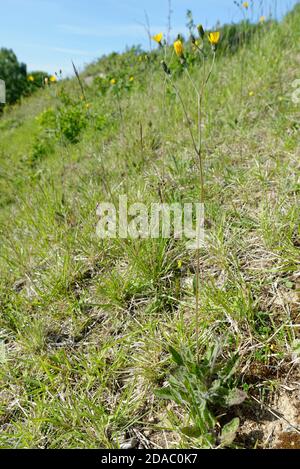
(202, 194)
(199, 155)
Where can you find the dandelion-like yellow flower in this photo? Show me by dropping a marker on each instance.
(246, 5)
(214, 38)
(178, 47)
(262, 19)
(53, 79)
(158, 37)
(113, 81)
(131, 79)
(251, 93)
(30, 78)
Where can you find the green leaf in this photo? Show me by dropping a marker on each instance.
(229, 432)
(192, 432)
(235, 397)
(176, 356)
(163, 393)
(195, 284)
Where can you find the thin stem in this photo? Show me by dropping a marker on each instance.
(79, 80)
(202, 194)
(186, 116)
(198, 151)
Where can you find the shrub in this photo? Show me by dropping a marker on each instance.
(67, 121)
(14, 74)
(42, 147)
(35, 80)
(71, 121)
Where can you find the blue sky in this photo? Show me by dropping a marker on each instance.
(48, 34)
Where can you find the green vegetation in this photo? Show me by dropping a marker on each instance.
(98, 337)
(18, 83)
(14, 74)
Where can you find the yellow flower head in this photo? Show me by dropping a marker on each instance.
(214, 38)
(158, 38)
(113, 81)
(131, 79)
(30, 78)
(251, 93)
(53, 79)
(246, 5)
(178, 47)
(262, 19)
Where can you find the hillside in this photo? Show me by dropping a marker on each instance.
(93, 332)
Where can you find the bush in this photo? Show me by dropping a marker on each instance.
(14, 74)
(35, 80)
(71, 121)
(67, 121)
(42, 147)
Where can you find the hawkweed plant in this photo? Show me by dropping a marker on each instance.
(195, 134)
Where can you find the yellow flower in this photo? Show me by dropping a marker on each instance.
(246, 5)
(158, 38)
(251, 93)
(262, 19)
(88, 105)
(131, 79)
(179, 264)
(53, 79)
(178, 47)
(113, 81)
(30, 78)
(214, 38)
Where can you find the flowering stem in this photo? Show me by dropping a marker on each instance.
(198, 151)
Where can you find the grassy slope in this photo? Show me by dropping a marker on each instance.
(85, 325)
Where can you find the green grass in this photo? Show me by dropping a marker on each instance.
(86, 325)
